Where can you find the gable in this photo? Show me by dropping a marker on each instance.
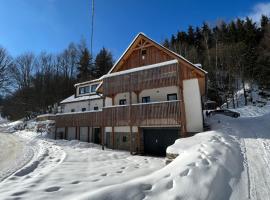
(155, 53)
(142, 53)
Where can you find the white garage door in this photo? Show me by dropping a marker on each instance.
(71, 133)
(84, 134)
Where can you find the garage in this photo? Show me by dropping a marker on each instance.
(156, 140)
(71, 133)
(84, 134)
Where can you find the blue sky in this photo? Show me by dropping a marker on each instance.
(50, 25)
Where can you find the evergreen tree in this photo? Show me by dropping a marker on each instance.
(103, 62)
(85, 66)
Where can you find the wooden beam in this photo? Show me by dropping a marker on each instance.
(142, 47)
(130, 117)
(88, 134)
(113, 133)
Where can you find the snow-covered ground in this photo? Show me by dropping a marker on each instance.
(14, 154)
(69, 169)
(229, 162)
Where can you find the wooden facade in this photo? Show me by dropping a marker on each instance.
(122, 79)
(145, 79)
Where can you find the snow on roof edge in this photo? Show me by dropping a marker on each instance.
(141, 68)
(125, 51)
(91, 81)
(72, 98)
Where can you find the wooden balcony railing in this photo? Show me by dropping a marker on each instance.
(93, 119)
(148, 114)
(159, 113)
(163, 76)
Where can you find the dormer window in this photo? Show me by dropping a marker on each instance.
(93, 88)
(143, 53)
(84, 90)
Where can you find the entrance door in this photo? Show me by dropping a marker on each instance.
(97, 138)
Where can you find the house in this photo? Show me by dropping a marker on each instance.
(149, 98)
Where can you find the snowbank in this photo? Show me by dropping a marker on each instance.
(207, 167)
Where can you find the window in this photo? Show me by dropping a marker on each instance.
(72, 110)
(122, 102)
(96, 108)
(93, 88)
(124, 138)
(143, 53)
(84, 90)
(83, 109)
(171, 97)
(146, 99)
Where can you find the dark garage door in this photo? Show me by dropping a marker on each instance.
(156, 141)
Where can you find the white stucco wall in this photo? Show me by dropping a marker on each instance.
(193, 106)
(124, 96)
(159, 94)
(89, 105)
(108, 101)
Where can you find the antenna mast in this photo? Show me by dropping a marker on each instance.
(92, 28)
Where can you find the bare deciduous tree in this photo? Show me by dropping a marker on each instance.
(5, 62)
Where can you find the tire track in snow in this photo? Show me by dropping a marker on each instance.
(47, 157)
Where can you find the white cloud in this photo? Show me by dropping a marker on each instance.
(258, 10)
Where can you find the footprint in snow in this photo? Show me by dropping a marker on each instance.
(193, 164)
(19, 193)
(75, 182)
(146, 186)
(205, 162)
(184, 173)
(169, 185)
(95, 180)
(13, 178)
(166, 176)
(53, 189)
(104, 174)
(119, 172)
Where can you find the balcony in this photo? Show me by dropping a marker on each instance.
(147, 114)
(148, 77)
(93, 119)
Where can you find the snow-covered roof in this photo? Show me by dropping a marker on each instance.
(87, 82)
(81, 98)
(141, 68)
(198, 65)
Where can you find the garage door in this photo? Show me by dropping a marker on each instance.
(84, 134)
(156, 141)
(71, 133)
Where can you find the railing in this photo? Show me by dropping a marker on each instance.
(143, 114)
(147, 114)
(163, 76)
(160, 113)
(93, 119)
